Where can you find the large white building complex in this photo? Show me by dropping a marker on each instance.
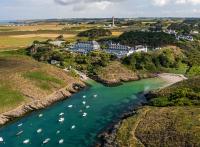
(119, 50)
(85, 47)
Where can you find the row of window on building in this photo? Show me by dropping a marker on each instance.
(112, 48)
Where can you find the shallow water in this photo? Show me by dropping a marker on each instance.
(76, 130)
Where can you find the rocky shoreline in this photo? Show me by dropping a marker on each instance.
(120, 81)
(108, 136)
(22, 110)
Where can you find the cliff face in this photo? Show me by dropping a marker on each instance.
(22, 110)
(116, 73)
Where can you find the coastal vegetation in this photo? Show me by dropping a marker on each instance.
(150, 39)
(95, 33)
(23, 80)
(171, 119)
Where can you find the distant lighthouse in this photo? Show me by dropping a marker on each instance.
(113, 21)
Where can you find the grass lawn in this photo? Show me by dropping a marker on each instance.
(43, 80)
(9, 98)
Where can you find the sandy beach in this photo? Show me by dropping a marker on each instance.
(171, 78)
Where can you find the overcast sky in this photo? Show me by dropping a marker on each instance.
(39, 9)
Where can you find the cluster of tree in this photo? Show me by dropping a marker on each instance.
(185, 93)
(192, 53)
(156, 27)
(153, 61)
(95, 33)
(186, 26)
(151, 39)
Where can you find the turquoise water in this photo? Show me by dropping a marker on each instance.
(109, 103)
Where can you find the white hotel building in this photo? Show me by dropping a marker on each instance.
(85, 47)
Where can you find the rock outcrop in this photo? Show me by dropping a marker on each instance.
(22, 110)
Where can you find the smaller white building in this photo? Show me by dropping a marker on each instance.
(57, 43)
(141, 48)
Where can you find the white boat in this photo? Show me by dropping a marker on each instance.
(62, 119)
(58, 132)
(1, 139)
(87, 107)
(26, 141)
(19, 125)
(84, 102)
(61, 141)
(46, 141)
(84, 114)
(40, 115)
(19, 133)
(61, 114)
(81, 111)
(95, 95)
(39, 130)
(73, 127)
(70, 106)
(84, 96)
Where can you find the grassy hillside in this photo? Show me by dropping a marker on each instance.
(115, 72)
(180, 94)
(170, 126)
(178, 124)
(23, 79)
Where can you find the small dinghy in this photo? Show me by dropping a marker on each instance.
(61, 114)
(1, 139)
(62, 119)
(26, 141)
(73, 127)
(39, 130)
(19, 125)
(61, 141)
(81, 111)
(87, 107)
(70, 106)
(84, 96)
(84, 114)
(19, 133)
(46, 141)
(95, 95)
(58, 132)
(40, 115)
(84, 102)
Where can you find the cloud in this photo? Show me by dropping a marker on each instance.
(167, 2)
(79, 5)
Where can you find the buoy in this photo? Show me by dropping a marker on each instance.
(70, 106)
(19, 133)
(61, 119)
(95, 95)
(84, 102)
(40, 115)
(1, 139)
(84, 96)
(46, 141)
(73, 127)
(19, 125)
(26, 141)
(61, 141)
(39, 130)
